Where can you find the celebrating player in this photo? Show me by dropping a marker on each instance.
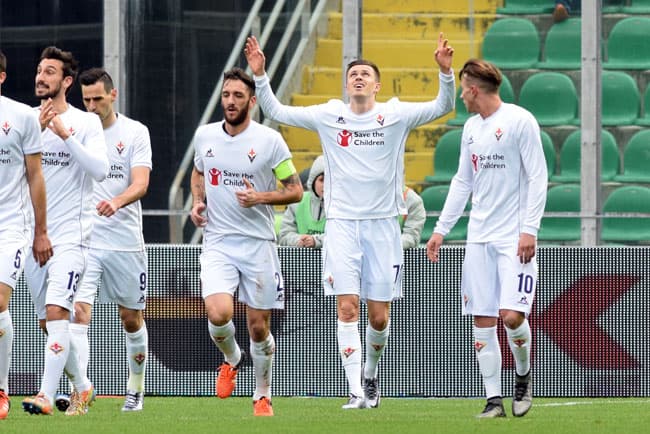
(363, 143)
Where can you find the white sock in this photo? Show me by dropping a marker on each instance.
(375, 344)
(349, 341)
(224, 338)
(57, 350)
(79, 339)
(137, 348)
(488, 355)
(262, 356)
(6, 343)
(73, 370)
(519, 342)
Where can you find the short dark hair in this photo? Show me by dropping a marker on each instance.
(94, 75)
(3, 62)
(363, 62)
(486, 73)
(239, 74)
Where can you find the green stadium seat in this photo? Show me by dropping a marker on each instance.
(505, 91)
(570, 158)
(561, 198)
(636, 159)
(627, 199)
(562, 47)
(512, 43)
(645, 120)
(433, 198)
(520, 7)
(549, 153)
(445, 157)
(551, 97)
(621, 99)
(628, 44)
(637, 7)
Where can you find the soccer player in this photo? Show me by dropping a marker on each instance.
(20, 172)
(363, 143)
(116, 256)
(502, 166)
(74, 155)
(237, 163)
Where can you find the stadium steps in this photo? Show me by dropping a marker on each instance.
(400, 36)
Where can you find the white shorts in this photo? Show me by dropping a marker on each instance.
(123, 278)
(493, 279)
(12, 261)
(364, 258)
(248, 263)
(57, 281)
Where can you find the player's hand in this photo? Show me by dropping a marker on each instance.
(307, 241)
(433, 247)
(444, 54)
(42, 249)
(526, 248)
(57, 127)
(247, 197)
(197, 216)
(106, 208)
(254, 56)
(46, 114)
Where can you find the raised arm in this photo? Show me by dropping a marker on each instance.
(255, 56)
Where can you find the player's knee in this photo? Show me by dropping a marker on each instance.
(512, 319)
(132, 320)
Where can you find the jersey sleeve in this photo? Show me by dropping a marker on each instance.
(459, 191)
(32, 139)
(420, 113)
(142, 148)
(91, 154)
(304, 117)
(534, 163)
(198, 160)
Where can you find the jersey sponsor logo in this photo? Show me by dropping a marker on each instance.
(215, 176)
(475, 162)
(343, 138)
(6, 128)
(380, 119)
(209, 154)
(498, 134)
(120, 147)
(340, 120)
(251, 155)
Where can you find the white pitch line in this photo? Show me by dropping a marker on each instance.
(609, 401)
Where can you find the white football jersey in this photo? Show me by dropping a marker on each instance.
(364, 154)
(20, 135)
(224, 161)
(502, 165)
(70, 207)
(128, 145)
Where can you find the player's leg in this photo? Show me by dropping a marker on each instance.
(261, 289)
(381, 283)
(262, 349)
(480, 297)
(137, 349)
(219, 280)
(341, 277)
(124, 282)
(11, 265)
(518, 287)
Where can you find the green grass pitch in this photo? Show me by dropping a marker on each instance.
(324, 415)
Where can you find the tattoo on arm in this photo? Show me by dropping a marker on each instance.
(292, 180)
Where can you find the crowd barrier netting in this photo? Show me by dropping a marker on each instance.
(589, 321)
